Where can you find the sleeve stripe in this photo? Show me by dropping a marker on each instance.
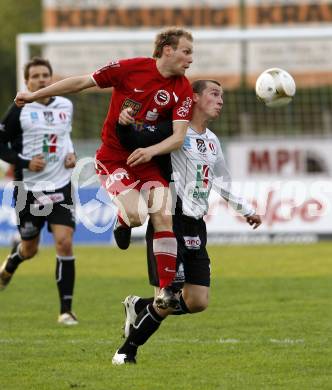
(93, 79)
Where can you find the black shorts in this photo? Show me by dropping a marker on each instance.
(193, 262)
(33, 209)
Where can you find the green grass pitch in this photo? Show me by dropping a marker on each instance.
(268, 326)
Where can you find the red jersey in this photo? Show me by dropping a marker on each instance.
(138, 84)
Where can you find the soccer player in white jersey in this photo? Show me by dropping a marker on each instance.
(36, 140)
(197, 167)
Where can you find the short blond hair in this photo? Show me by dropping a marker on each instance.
(169, 37)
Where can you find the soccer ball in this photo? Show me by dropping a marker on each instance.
(275, 87)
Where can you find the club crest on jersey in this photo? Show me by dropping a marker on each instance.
(48, 115)
(201, 147)
(162, 97)
(135, 106)
(213, 148)
(34, 117)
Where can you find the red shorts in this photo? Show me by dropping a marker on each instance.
(116, 176)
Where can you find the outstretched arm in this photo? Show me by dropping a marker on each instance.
(69, 85)
(223, 184)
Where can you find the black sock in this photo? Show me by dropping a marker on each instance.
(142, 303)
(182, 309)
(14, 260)
(65, 278)
(147, 322)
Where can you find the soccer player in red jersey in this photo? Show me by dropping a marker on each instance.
(152, 89)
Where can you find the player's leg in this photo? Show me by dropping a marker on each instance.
(21, 251)
(61, 222)
(132, 212)
(146, 324)
(65, 272)
(164, 244)
(194, 296)
(29, 227)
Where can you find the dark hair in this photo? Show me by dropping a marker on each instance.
(36, 61)
(169, 37)
(198, 86)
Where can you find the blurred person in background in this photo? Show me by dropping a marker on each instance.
(36, 140)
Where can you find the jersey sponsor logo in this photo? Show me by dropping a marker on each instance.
(152, 115)
(48, 115)
(201, 147)
(50, 143)
(34, 117)
(184, 110)
(202, 175)
(213, 148)
(50, 148)
(162, 97)
(192, 242)
(135, 106)
(201, 190)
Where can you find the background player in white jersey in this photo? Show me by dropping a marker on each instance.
(36, 139)
(197, 167)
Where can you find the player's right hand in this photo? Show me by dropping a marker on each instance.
(22, 98)
(37, 163)
(125, 117)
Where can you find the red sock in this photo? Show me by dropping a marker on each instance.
(165, 251)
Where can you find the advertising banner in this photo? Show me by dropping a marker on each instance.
(281, 159)
(293, 208)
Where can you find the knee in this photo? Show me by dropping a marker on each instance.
(162, 222)
(134, 219)
(28, 251)
(64, 245)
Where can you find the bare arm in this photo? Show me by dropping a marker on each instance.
(169, 144)
(69, 85)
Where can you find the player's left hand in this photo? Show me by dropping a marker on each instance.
(70, 160)
(139, 156)
(254, 221)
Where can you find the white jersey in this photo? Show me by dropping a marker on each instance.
(46, 130)
(198, 167)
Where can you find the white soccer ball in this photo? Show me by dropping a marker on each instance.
(275, 87)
